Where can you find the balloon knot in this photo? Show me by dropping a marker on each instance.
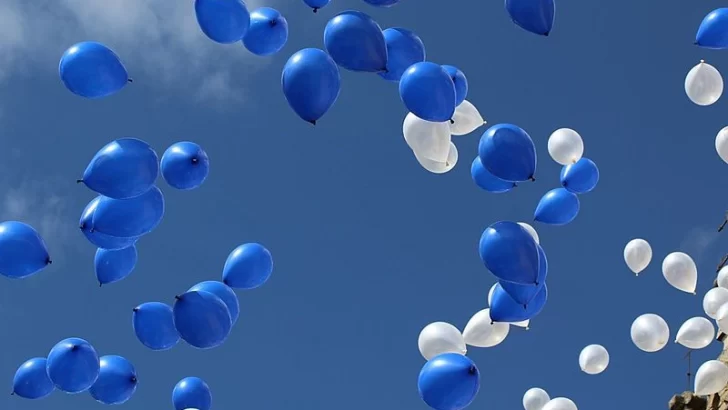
(312, 122)
(136, 309)
(315, 9)
(100, 284)
(273, 23)
(133, 379)
(12, 393)
(178, 297)
(515, 185)
(195, 160)
(492, 322)
(129, 80)
(48, 261)
(528, 328)
(532, 178)
(546, 34)
(702, 61)
(78, 181)
(525, 306)
(74, 348)
(473, 370)
(452, 121)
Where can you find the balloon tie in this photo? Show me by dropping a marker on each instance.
(178, 297)
(315, 9)
(702, 61)
(12, 393)
(133, 379)
(273, 23)
(136, 309)
(532, 178)
(100, 284)
(452, 121)
(48, 261)
(312, 122)
(78, 181)
(129, 80)
(194, 160)
(473, 370)
(515, 185)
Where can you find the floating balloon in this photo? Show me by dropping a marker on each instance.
(460, 82)
(722, 278)
(510, 253)
(530, 229)
(117, 381)
(91, 70)
(404, 48)
(192, 393)
(560, 403)
(505, 309)
(593, 359)
(704, 84)
(355, 42)
(185, 165)
(222, 21)
(557, 207)
(637, 255)
(99, 239)
(268, 32)
(680, 271)
(128, 217)
(536, 16)
(650, 332)
(507, 152)
(481, 331)
(316, 5)
(428, 92)
(695, 333)
(73, 365)
(580, 177)
(713, 300)
(466, 119)
(711, 377)
(31, 380)
(535, 398)
(225, 294)
(22, 251)
(382, 3)
(311, 83)
(721, 144)
(438, 338)
(449, 382)
(114, 265)
(153, 324)
(523, 294)
(440, 167)
(429, 140)
(248, 266)
(565, 146)
(202, 319)
(713, 30)
(488, 181)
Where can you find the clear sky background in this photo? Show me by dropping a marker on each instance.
(368, 247)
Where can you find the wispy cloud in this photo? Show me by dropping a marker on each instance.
(698, 240)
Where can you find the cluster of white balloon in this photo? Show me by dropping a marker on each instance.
(704, 86)
(539, 399)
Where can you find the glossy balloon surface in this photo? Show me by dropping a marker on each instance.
(268, 32)
(122, 169)
(153, 324)
(22, 250)
(31, 380)
(185, 165)
(117, 380)
(92, 70)
(404, 48)
(191, 393)
(248, 266)
(202, 319)
(311, 83)
(222, 21)
(73, 365)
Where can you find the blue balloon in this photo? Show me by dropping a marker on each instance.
(117, 381)
(428, 92)
(225, 294)
(191, 393)
(713, 30)
(510, 253)
(524, 294)
(128, 217)
(99, 239)
(504, 309)
(22, 250)
(557, 207)
(31, 380)
(268, 32)
(449, 381)
(488, 181)
(202, 319)
(404, 48)
(248, 266)
(355, 42)
(311, 83)
(222, 21)
(73, 365)
(382, 3)
(536, 16)
(185, 165)
(91, 70)
(124, 168)
(507, 152)
(460, 81)
(316, 4)
(580, 177)
(114, 265)
(153, 324)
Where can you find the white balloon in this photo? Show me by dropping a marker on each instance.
(723, 277)
(721, 318)
(713, 300)
(680, 271)
(482, 332)
(438, 338)
(637, 255)
(695, 333)
(530, 229)
(721, 144)
(650, 332)
(711, 377)
(440, 167)
(523, 323)
(565, 146)
(466, 119)
(429, 140)
(560, 403)
(704, 84)
(593, 359)
(535, 399)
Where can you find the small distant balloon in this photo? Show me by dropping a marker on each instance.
(248, 266)
(22, 250)
(185, 165)
(222, 21)
(153, 324)
(117, 380)
(711, 377)
(593, 359)
(114, 265)
(449, 382)
(507, 152)
(438, 338)
(560, 403)
(696, 333)
(31, 380)
(73, 365)
(224, 292)
(637, 255)
(680, 271)
(311, 83)
(466, 119)
(91, 70)
(580, 177)
(650, 332)
(441, 167)
(202, 319)
(557, 207)
(404, 48)
(481, 331)
(704, 84)
(488, 181)
(99, 239)
(268, 32)
(713, 300)
(509, 252)
(316, 5)
(713, 30)
(127, 218)
(535, 398)
(565, 146)
(721, 144)
(192, 393)
(536, 16)
(460, 82)
(428, 92)
(428, 140)
(355, 42)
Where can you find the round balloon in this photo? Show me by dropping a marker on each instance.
(481, 331)
(428, 92)
(311, 83)
(117, 380)
(565, 146)
(222, 21)
(268, 32)
(191, 393)
(153, 324)
(404, 48)
(593, 359)
(637, 255)
(248, 266)
(557, 207)
(535, 398)
(466, 119)
(114, 265)
(355, 42)
(696, 333)
(91, 70)
(704, 84)
(507, 152)
(31, 380)
(711, 377)
(22, 250)
(438, 338)
(449, 381)
(429, 140)
(73, 365)
(202, 319)
(580, 177)
(185, 165)
(650, 332)
(440, 167)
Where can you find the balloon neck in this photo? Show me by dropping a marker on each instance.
(525, 306)
(74, 348)
(492, 322)
(78, 181)
(452, 121)
(528, 328)
(315, 9)
(702, 61)
(515, 185)
(273, 23)
(532, 178)
(133, 379)
(136, 309)
(178, 297)
(195, 160)
(101, 284)
(48, 261)
(473, 370)
(12, 393)
(312, 122)
(129, 80)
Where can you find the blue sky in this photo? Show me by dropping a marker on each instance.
(368, 247)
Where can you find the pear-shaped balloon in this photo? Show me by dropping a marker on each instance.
(202, 319)
(438, 338)
(704, 84)
(311, 83)
(510, 253)
(428, 92)
(488, 181)
(225, 294)
(507, 152)
(535, 16)
(114, 265)
(637, 255)
(680, 271)
(222, 21)
(713, 30)
(97, 238)
(593, 359)
(268, 32)
(481, 331)
(404, 48)
(31, 380)
(355, 42)
(449, 381)
(73, 365)
(713, 300)
(565, 146)
(248, 266)
(22, 250)
(711, 377)
(117, 380)
(185, 165)
(429, 140)
(650, 332)
(557, 207)
(695, 333)
(440, 167)
(128, 218)
(92, 70)
(191, 393)
(466, 119)
(535, 398)
(153, 324)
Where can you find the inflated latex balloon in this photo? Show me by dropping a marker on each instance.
(565, 146)
(696, 333)
(224, 292)
(73, 365)
(713, 30)
(222, 21)
(680, 271)
(192, 393)
(507, 152)
(355, 42)
(153, 324)
(438, 338)
(268, 32)
(504, 309)
(31, 380)
(481, 331)
(449, 381)
(532, 231)
(535, 398)
(91, 70)
(202, 319)
(185, 165)
(382, 3)
(404, 48)
(536, 16)
(580, 177)
(117, 380)
(637, 255)
(316, 5)
(722, 278)
(441, 167)
(124, 168)
(428, 92)
(650, 332)
(510, 253)
(488, 181)
(560, 403)
(22, 250)
(248, 266)
(557, 207)
(114, 265)
(466, 119)
(593, 359)
(704, 84)
(711, 377)
(460, 82)
(99, 239)
(721, 144)
(523, 294)
(128, 217)
(429, 140)
(713, 300)
(311, 83)
(721, 318)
